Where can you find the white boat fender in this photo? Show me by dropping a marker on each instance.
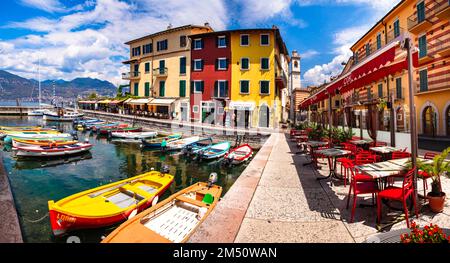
(155, 200)
(132, 214)
(201, 212)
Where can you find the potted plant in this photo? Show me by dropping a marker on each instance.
(429, 234)
(439, 166)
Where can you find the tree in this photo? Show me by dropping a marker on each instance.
(93, 95)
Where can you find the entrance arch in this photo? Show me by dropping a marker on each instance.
(447, 120)
(425, 129)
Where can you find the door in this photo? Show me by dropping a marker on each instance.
(184, 111)
(420, 12)
(264, 116)
(135, 72)
(428, 121)
(162, 66)
(162, 88)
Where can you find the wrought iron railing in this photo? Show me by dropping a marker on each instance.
(131, 75)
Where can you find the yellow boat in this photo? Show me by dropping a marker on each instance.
(173, 220)
(20, 128)
(109, 204)
(23, 142)
(20, 132)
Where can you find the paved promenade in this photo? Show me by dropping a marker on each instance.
(9, 223)
(277, 199)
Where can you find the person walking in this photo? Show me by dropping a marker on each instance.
(163, 145)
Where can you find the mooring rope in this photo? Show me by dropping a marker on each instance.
(37, 220)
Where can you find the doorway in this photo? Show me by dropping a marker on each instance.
(264, 116)
(428, 117)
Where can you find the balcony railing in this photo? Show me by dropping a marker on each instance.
(281, 76)
(443, 10)
(131, 75)
(434, 83)
(391, 36)
(441, 47)
(160, 72)
(418, 23)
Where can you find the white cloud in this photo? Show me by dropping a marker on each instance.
(45, 5)
(309, 54)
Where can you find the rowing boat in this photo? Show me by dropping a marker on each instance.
(51, 151)
(214, 151)
(239, 154)
(20, 143)
(195, 147)
(106, 130)
(156, 143)
(51, 137)
(108, 204)
(134, 135)
(181, 143)
(173, 220)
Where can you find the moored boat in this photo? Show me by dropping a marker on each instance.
(156, 142)
(173, 220)
(239, 154)
(195, 147)
(214, 151)
(108, 204)
(25, 143)
(52, 137)
(68, 116)
(119, 129)
(134, 135)
(51, 151)
(181, 143)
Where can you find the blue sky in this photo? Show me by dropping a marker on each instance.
(74, 38)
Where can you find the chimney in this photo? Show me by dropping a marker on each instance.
(207, 24)
(169, 26)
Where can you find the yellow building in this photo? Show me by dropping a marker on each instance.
(160, 70)
(259, 73)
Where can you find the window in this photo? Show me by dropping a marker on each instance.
(245, 86)
(182, 65)
(162, 88)
(398, 88)
(264, 39)
(147, 89)
(136, 89)
(420, 12)
(162, 67)
(356, 57)
(423, 80)
(380, 90)
(423, 46)
(198, 44)
(198, 65)
(396, 28)
(369, 93)
(162, 45)
(198, 86)
(221, 89)
(265, 63)
(222, 64)
(182, 88)
(336, 103)
(264, 87)
(195, 109)
(245, 41)
(367, 49)
(136, 51)
(147, 67)
(378, 41)
(245, 64)
(183, 41)
(221, 42)
(147, 48)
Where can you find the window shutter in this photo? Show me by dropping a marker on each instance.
(201, 43)
(226, 88)
(201, 63)
(217, 42)
(192, 87)
(216, 88)
(226, 41)
(216, 65)
(226, 63)
(202, 85)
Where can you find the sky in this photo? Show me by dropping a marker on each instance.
(66, 39)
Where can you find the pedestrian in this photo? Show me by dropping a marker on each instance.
(163, 145)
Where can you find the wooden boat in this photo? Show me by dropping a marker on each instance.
(46, 151)
(24, 143)
(156, 143)
(134, 135)
(119, 129)
(32, 132)
(51, 137)
(68, 116)
(214, 151)
(11, 128)
(195, 147)
(239, 154)
(106, 125)
(181, 143)
(173, 220)
(89, 125)
(108, 204)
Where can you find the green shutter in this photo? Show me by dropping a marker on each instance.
(378, 41)
(396, 28)
(147, 89)
(420, 12)
(423, 80)
(183, 65)
(162, 88)
(398, 85)
(182, 88)
(380, 90)
(147, 67)
(162, 65)
(136, 89)
(422, 46)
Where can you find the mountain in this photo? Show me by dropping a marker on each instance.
(13, 87)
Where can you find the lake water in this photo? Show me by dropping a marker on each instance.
(34, 182)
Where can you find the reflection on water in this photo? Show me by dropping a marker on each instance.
(35, 181)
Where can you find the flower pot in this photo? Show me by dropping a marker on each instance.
(436, 203)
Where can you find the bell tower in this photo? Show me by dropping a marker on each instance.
(295, 83)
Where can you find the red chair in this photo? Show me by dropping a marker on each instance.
(345, 161)
(399, 194)
(424, 175)
(364, 159)
(400, 155)
(359, 188)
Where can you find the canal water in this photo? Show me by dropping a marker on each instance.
(34, 182)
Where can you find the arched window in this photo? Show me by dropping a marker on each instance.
(296, 64)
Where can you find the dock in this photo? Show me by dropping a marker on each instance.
(10, 231)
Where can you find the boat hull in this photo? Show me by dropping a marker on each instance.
(51, 117)
(39, 152)
(133, 135)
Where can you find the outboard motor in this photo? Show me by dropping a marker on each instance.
(187, 150)
(74, 135)
(212, 179)
(200, 155)
(165, 169)
(86, 140)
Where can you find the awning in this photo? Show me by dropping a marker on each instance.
(137, 101)
(104, 102)
(240, 105)
(87, 101)
(116, 102)
(162, 102)
(130, 61)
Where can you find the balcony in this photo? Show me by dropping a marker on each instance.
(417, 24)
(131, 75)
(392, 35)
(281, 77)
(434, 84)
(425, 58)
(442, 47)
(443, 10)
(160, 72)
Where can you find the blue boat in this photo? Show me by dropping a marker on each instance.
(195, 147)
(156, 143)
(214, 151)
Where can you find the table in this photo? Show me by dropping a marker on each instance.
(360, 142)
(385, 151)
(313, 145)
(332, 154)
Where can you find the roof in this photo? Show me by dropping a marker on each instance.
(377, 23)
(166, 32)
(276, 31)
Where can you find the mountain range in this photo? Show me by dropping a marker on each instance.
(14, 87)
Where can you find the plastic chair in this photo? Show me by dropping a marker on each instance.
(424, 175)
(359, 188)
(399, 194)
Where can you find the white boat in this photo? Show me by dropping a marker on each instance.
(181, 143)
(134, 135)
(45, 151)
(55, 136)
(68, 116)
(38, 112)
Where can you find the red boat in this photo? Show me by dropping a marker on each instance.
(239, 154)
(118, 129)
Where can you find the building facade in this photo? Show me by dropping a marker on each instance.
(160, 70)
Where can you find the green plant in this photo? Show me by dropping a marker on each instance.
(438, 167)
(430, 234)
(382, 104)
